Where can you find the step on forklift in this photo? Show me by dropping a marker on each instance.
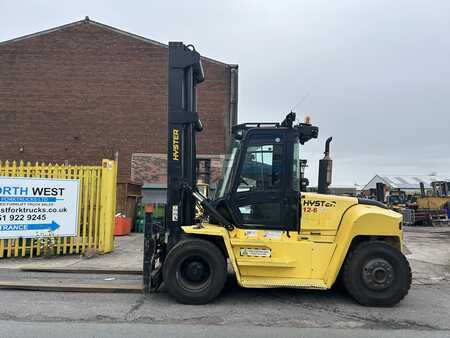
(260, 222)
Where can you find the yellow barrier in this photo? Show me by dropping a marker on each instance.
(97, 206)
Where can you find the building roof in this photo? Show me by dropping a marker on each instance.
(405, 182)
(101, 25)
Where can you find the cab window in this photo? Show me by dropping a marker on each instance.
(296, 168)
(259, 189)
(262, 168)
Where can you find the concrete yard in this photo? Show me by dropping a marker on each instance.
(245, 312)
(127, 255)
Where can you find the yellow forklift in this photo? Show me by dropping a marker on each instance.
(260, 222)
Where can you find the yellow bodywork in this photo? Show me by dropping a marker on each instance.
(312, 257)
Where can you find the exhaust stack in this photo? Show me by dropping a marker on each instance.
(325, 169)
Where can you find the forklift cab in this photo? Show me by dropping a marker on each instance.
(260, 186)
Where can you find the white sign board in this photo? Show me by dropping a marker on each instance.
(35, 207)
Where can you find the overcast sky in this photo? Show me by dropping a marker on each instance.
(374, 74)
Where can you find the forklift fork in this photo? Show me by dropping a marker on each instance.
(154, 254)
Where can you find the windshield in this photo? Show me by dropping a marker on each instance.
(224, 182)
(394, 199)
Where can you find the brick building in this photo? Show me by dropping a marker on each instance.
(86, 91)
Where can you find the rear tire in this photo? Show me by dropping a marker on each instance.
(376, 274)
(194, 271)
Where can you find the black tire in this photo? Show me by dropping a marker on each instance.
(376, 274)
(194, 271)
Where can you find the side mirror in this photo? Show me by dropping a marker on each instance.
(304, 182)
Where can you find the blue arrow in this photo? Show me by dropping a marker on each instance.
(52, 226)
(23, 227)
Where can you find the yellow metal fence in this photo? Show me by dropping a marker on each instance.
(97, 206)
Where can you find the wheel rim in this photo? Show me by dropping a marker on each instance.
(194, 273)
(378, 274)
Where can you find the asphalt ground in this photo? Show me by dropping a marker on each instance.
(240, 312)
(120, 330)
(426, 309)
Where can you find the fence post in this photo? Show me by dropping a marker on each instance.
(108, 197)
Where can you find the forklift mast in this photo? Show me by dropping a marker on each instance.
(185, 72)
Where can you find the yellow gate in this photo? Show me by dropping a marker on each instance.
(97, 206)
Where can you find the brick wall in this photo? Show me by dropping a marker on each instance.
(151, 168)
(83, 92)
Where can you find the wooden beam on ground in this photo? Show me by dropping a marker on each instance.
(35, 285)
(81, 270)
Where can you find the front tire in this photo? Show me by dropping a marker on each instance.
(194, 271)
(376, 274)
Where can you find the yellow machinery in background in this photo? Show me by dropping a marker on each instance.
(433, 209)
(432, 202)
(439, 198)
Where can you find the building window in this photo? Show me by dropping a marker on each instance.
(203, 170)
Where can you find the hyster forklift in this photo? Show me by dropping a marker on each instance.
(271, 233)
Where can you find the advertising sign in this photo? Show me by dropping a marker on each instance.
(35, 207)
